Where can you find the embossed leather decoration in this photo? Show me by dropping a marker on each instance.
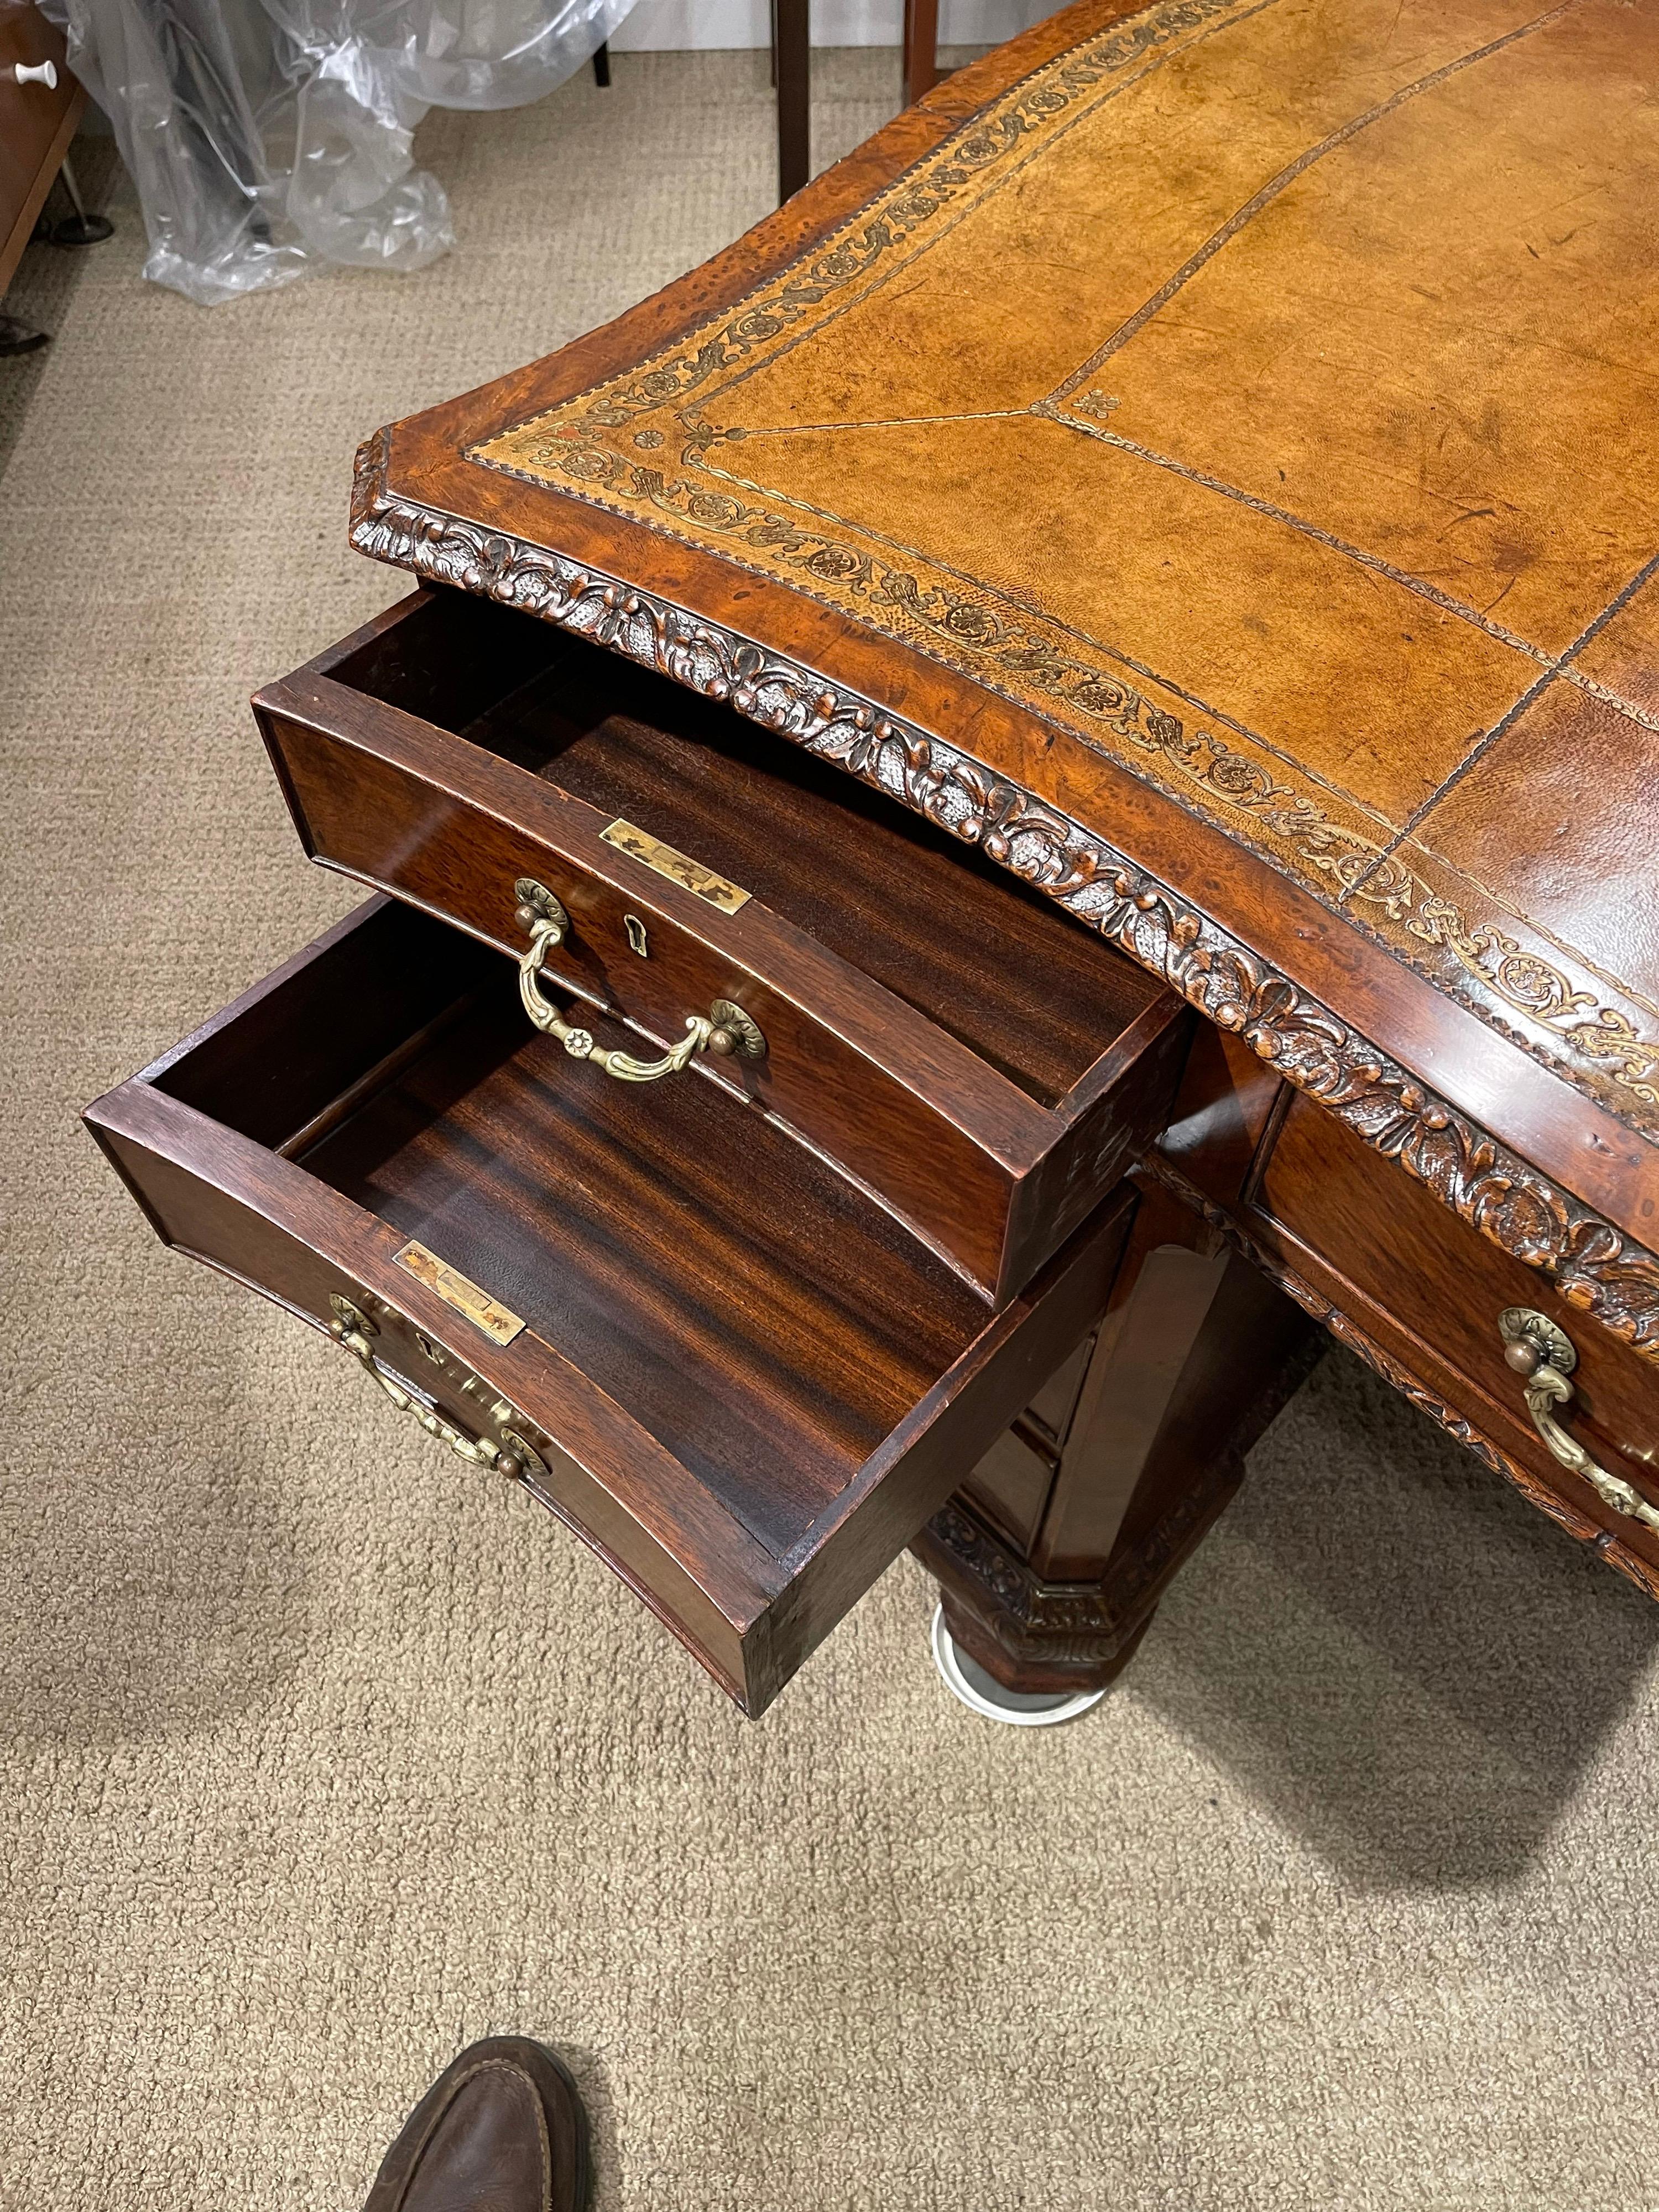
(1237, 415)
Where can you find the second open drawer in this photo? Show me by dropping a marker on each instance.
(741, 1380)
(978, 1061)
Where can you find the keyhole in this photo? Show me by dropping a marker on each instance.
(636, 929)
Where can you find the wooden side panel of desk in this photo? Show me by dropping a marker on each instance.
(1053, 1556)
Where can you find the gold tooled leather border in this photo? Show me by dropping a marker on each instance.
(1593, 1030)
(1595, 1267)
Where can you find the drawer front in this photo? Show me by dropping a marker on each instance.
(462, 820)
(393, 824)
(1431, 1288)
(738, 1378)
(256, 1219)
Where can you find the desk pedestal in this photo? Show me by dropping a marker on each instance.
(1051, 1559)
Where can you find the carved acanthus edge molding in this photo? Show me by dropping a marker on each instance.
(1596, 1268)
(1346, 1332)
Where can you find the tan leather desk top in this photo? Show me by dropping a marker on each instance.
(1206, 455)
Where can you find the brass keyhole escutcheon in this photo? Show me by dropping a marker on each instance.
(637, 941)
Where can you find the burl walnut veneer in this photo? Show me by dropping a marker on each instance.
(1199, 462)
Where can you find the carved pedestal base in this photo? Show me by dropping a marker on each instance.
(1033, 1635)
(1052, 1557)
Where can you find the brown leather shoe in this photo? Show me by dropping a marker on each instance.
(502, 2130)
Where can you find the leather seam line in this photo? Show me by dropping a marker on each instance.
(1287, 176)
(1140, 773)
(1342, 903)
(1141, 669)
(845, 229)
(992, 186)
(1420, 586)
(1516, 914)
(1615, 605)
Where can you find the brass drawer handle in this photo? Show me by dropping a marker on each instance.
(724, 1029)
(506, 1453)
(1544, 1356)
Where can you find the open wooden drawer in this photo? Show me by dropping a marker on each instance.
(956, 1043)
(732, 1372)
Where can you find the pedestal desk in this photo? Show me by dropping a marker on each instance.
(1091, 687)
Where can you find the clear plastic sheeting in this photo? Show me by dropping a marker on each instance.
(268, 136)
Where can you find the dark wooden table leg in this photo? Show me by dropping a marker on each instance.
(1052, 1557)
(920, 48)
(793, 67)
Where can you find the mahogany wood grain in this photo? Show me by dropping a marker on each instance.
(958, 1045)
(1221, 1114)
(764, 1322)
(1012, 1483)
(751, 1384)
(1048, 1416)
(1430, 1292)
(1188, 1368)
(920, 50)
(1196, 1352)
(989, 961)
(791, 69)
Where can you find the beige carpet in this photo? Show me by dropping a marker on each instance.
(322, 1761)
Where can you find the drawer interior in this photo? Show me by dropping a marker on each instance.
(755, 1313)
(989, 961)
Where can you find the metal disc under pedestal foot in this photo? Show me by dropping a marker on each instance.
(983, 1694)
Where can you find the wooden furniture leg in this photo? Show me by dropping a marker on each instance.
(793, 71)
(1052, 1557)
(920, 48)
